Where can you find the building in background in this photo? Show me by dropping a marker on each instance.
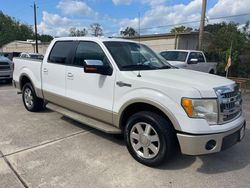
(24, 46)
(170, 41)
(158, 42)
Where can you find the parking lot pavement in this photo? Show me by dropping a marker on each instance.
(7, 177)
(48, 150)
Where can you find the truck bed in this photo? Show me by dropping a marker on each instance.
(30, 68)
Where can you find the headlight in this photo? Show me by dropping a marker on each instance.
(201, 108)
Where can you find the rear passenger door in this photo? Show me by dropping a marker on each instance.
(202, 65)
(54, 69)
(192, 55)
(89, 93)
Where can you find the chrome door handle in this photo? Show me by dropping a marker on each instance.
(70, 75)
(122, 84)
(45, 70)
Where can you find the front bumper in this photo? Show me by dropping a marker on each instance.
(210, 143)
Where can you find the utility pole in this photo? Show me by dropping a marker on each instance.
(202, 23)
(35, 26)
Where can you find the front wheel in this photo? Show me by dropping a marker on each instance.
(31, 102)
(150, 138)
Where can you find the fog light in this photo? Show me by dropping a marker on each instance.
(210, 144)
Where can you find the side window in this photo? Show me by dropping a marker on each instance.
(89, 51)
(192, 55)
(201, 58)
(60, 52)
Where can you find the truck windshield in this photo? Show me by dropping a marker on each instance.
(133, 56)
(174, 56)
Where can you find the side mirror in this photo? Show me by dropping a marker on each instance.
(193, 61)
(98, 67)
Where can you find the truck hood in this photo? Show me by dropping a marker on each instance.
(203, 82)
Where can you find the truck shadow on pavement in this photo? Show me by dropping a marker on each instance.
(234, 158)
(4, 83)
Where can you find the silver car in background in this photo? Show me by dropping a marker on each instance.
(31, 56)
(6, 69)
(190, 59)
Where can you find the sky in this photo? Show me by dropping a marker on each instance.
(56, 17)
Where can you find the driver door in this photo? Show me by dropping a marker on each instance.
(90, 93)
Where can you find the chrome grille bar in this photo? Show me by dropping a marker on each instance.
(230, 103)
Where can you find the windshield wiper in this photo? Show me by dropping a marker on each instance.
(138, 67)
(165, 67)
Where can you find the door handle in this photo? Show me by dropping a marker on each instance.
(70, 75)
(122, 84)
(45, 70)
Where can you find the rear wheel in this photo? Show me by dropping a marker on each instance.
(211, 72)
(150, 138)
(31, 102)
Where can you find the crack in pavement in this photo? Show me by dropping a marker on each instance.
(14, 171)
(49, 142)
(4, 156)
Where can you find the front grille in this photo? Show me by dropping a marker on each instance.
(229, 103)
(4, 66)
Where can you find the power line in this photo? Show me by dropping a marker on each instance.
(184, 23)
(196, 21)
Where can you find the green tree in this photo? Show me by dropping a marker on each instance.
(45, 38)
(128, 32)
(222, 36)
(11, 29)
(181, 29)
(77, 32)
(96, 29)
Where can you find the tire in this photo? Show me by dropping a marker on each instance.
(211, 72)
(31, 102)
(152, 147)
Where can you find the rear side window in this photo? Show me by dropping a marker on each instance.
(89, 51)
(192, 55)
(61, 51)
(201, 58)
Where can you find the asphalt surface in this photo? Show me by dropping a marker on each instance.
(48, 150)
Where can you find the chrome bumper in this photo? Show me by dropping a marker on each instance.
(211, 143)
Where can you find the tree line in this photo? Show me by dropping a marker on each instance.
(221, 35)
(12, 29)
(96, 30)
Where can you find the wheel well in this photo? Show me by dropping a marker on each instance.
(23, 81)
(138, 107)
(211, 71)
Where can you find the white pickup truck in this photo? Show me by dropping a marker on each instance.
(190, 59)
(120, 86)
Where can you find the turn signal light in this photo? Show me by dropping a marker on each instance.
(188, 106)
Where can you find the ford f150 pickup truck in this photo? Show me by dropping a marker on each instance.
(120, 86)
(190, 59)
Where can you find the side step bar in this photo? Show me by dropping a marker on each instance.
(84, 119)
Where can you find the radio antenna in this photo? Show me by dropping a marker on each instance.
(139, 30)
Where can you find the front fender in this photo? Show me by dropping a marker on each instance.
(152, 97)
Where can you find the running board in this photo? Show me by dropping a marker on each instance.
(84, 119)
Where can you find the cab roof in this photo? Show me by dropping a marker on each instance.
(94, 39)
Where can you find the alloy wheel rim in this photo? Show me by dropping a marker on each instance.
(28, 98)
(145, 140)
